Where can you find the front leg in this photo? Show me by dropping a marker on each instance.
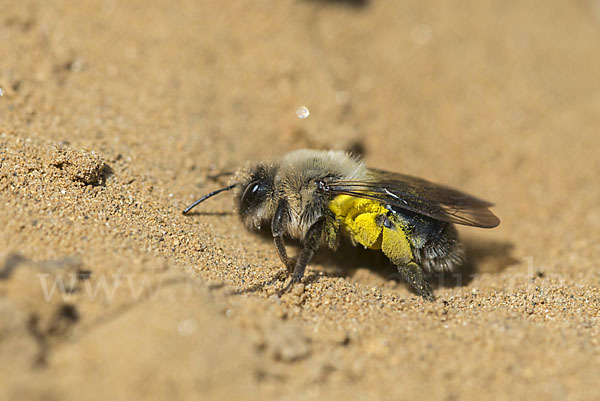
(278, 225)
(280, 246)
(310, 243)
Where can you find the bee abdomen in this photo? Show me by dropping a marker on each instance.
(441, 253)
(435, 244)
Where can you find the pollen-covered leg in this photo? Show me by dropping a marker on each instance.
(396, 247)
(413, 274)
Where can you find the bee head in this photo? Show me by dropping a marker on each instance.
(255, 195)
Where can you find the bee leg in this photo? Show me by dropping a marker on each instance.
(280, 246)
(413, 274)
(395, 245)
(278, 229)
(310, 244)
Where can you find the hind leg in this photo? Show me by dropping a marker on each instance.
(413, 274)
(396, 247)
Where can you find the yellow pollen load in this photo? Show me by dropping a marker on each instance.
(359, 218)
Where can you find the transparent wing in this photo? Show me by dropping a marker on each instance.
(420, 196)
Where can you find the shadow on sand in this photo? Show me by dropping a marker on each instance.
(483, 256)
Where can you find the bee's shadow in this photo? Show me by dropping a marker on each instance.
(483, 256)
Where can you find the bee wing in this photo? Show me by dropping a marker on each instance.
(420, 196)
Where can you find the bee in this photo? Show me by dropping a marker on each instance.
(317, 196)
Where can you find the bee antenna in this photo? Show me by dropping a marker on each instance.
(205, 197)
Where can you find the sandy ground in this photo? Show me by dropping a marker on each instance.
(115, 115)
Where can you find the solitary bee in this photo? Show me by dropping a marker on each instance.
(315, 196)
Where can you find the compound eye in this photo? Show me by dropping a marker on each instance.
(253, 195)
